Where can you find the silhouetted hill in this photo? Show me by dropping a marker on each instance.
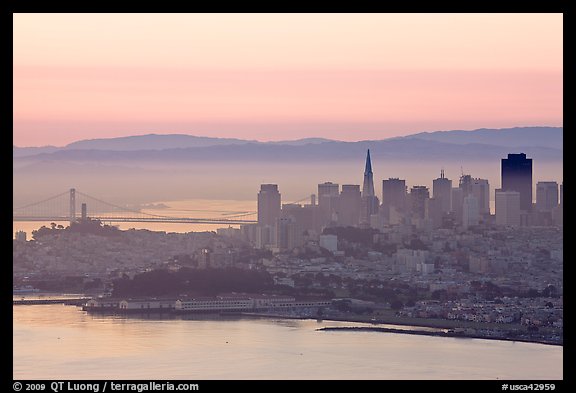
(153, 142)
(511, 137)
(542, 143)
(409, 149)
(299, 142)
(31, 151)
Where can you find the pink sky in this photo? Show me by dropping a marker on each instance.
(282, 76)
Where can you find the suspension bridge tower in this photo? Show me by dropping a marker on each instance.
(72, 205)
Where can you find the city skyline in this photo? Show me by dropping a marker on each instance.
(472, 199)
(467, 205)
(342, 76)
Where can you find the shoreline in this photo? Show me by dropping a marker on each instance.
(408, 325)
(450, 326)
(434, 334)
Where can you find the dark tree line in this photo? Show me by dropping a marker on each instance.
(206, 282)
(353, 235)
(95, 227)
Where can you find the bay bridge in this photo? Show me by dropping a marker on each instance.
(64, 207)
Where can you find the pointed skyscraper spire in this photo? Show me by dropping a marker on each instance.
(368, 186)
(368, 164)
(370, 202)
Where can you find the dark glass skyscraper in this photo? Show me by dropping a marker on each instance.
(517, 176)
(418, 197)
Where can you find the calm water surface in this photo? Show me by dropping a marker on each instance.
(57, 341)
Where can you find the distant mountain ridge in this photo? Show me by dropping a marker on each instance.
(153, 142)
(543, 142)
(30, 151)
(517, 136)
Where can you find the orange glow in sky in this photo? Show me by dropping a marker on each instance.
(282, 76)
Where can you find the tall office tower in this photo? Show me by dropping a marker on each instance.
(370, 202)
(368, 185)
(442, 191)
(434, 212)
(328, 202)
(303, 217)
(465, 184)
(268, 204)
(394, 193)
(507, 208)
(293, 211)
(470, 211)
(265, 235)
(350, 205)
(546, 196)
(559, 211)
(456, 202)
(517, 176)
(481, 190)
(288, 234)
(418, 197)
(84, 212)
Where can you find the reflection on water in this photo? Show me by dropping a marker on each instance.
(63, 342)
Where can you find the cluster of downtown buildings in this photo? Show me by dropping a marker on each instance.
(285, 226)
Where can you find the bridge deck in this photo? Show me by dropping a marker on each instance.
(176, 220)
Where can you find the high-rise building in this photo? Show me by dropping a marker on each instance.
(558, 212)
(84, 216)
(470, 211)
(418, 197)
(370, 202)
(350, 205)
(456, 202)
(442, 191)
(268, 204)
(265, 235)
(394, 193)
(507, 208)
(304, 217)
(434, 212)
(248, 232)
(517, 176)
(480, 188)
(288, 234)
(546, 196)
(327, 188)
(293, 211)
(368, 185)
(465, 184)
(328, 202)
